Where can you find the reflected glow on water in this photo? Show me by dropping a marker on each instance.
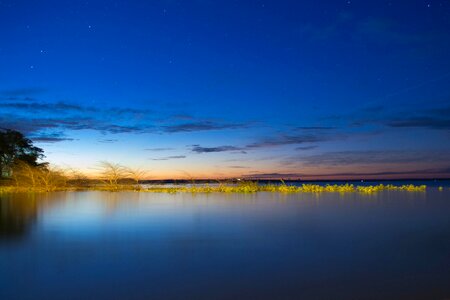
(266, 245)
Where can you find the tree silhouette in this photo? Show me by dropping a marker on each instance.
(14, 148)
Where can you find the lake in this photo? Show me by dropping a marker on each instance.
(130, 245)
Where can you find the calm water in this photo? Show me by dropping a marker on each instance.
(100, 245)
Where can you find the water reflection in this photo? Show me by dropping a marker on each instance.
(17, 214)
(127, 245)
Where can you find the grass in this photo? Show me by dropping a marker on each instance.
(242, 187)
(254, 187)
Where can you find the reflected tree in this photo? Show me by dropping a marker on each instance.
(17, 214)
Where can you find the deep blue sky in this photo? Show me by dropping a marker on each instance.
(231, 88)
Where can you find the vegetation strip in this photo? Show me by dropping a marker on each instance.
(243, 187)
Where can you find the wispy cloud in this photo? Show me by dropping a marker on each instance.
(50, 137)
(283, 139)
(439, 123)
(202, 126)
(158, 149)
(29, 125)
(346, 158)
(170, 157)
(36, 106)
(315, 128)
(199, 149)
(274, 141)
(32, 117)
(28, 105)
(108, 141)
(437, 118)
(26, 91)
(304, 148)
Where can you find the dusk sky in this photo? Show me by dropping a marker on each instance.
(214, 89)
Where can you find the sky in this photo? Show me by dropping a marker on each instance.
(217, 89)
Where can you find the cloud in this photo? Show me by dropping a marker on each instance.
(158, 149)
(50, 137)
(22, 92)
(95, 124)
(108, 141)
(34, 125)
(170, 157)
(316, 128)
(32, 116)
(31, 106)
(199, 149)
(345, 158)
(280, 140)
(36, 106)
(201, 126)
(283, 140)
(304, 148)
(183, 117)
(422, 122)
(435, 118)
(25, 125)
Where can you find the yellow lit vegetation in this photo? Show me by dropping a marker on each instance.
(248, 187)
(42, 178)
(253, 187)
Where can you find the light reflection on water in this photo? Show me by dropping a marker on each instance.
(77, 245)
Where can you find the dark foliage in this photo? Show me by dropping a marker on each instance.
(14, 148)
